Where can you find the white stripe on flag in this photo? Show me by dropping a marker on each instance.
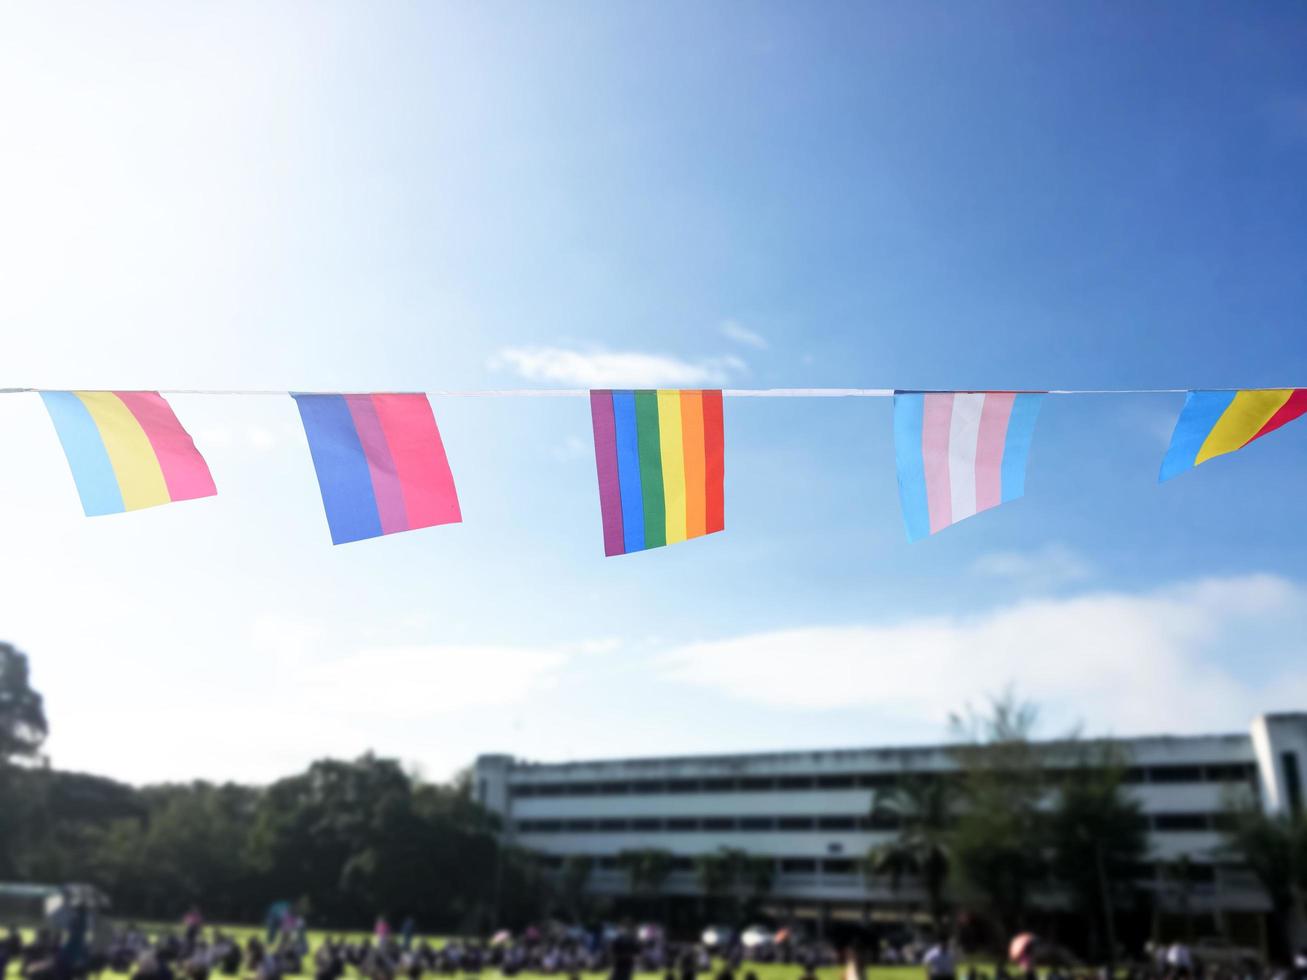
(964, 430)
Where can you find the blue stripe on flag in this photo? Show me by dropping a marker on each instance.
(628, 470)
(1202, 410)
(97, 484)
(1016, 449)
(908, 409)
(343, 474)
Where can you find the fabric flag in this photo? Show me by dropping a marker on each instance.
(959, 453)
(126, 450)
(1214, 423)
(661, 462)
(381, 465)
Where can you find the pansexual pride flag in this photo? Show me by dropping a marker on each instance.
(126, 450)
(661, 466)
(959, 453)
(1214, 423)
(381, 465)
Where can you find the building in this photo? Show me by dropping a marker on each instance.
(812, 814)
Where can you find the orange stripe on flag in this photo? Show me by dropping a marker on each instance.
(696, 497)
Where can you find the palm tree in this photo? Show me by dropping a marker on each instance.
(924, 807)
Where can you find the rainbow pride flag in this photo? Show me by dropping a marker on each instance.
(661, 462)
(1213, 423)
(959, 453)
(126, 450)
(381, 465)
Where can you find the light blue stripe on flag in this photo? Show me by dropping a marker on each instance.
(628, 470)
(1202, 410)
(97, 484)
(908, 409)
(1016, 449)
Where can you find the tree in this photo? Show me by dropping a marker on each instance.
(716, 875)
(647, 870)
(575, 877)
(22, 710)
(1098, 836)
(999, 842)
(924, 807)
(1274, 847)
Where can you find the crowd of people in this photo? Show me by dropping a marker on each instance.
(75, 950)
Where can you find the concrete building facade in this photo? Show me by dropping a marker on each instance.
(812, 812)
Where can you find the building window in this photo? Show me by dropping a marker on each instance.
(718, 823)
(580, 826)
(613, 826)
(1292, 781)
(756, 785)
(1181, 821)
(837, 823)
(1175, 774)
(646, 787)
(757, 823)
(1228, 773)
(794, 823)
(835, 782)
(877, 780)
(682, 823)
(683, 786)
(646, 823)
(798, 866)
(717, 785)
(614, 789)
(838, 866)
(796, 782)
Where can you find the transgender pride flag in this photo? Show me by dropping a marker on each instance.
(959, 453)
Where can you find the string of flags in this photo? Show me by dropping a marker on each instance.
(659, 454)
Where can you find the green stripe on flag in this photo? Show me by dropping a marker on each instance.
(651, 468)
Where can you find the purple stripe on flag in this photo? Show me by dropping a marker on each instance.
(381, 465)
(610, 488)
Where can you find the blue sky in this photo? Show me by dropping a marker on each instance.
(436, 196)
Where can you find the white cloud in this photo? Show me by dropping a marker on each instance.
(741, 334)
(1121, 662)
(601, 369)
(405, 682)
(1052, 565)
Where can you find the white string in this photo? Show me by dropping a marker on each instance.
(726, 392)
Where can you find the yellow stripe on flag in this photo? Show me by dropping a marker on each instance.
(673, 453)
(134, 461)
(1245, 417)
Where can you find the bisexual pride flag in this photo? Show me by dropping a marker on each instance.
(661, 462)
(959, 453)
(126, 450)
(1214, 423)
(381, 465)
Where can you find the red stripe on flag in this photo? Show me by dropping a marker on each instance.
(714, 449)
(1290, 410)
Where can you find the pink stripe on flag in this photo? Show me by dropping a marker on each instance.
(989, 448)
(936, 416)
(185, 473)
(381, 464)
(429, 494)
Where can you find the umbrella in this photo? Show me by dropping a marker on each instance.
(1021, 947)
(501, 938)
